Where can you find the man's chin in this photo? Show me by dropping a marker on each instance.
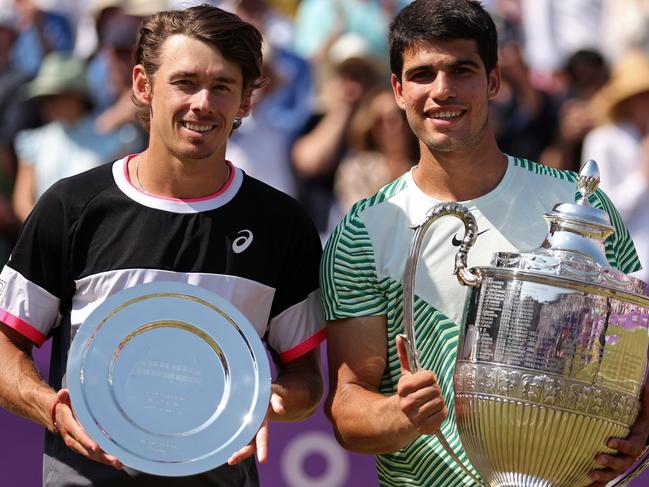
(195, 154)
(447, 145)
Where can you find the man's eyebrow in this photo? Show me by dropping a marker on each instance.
(465, 62)
(193, 75)
(455, 64)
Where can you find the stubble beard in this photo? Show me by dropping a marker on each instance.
(444, 143)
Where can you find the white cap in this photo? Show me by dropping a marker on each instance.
(350, 45)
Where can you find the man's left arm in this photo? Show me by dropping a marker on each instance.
(295, 396)
(298, 387)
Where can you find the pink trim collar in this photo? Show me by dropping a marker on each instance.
(223, 189)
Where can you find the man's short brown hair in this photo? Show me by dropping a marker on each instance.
(237, 40)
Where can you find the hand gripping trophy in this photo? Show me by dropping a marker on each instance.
(552, 353)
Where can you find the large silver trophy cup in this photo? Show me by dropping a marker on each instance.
(552, 353)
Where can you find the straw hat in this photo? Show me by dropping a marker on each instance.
(144, 8)
(630, 76)
(59, 74)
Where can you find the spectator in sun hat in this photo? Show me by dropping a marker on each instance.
(622, 108)
(68, 143)
(619, 145)
(60, 74)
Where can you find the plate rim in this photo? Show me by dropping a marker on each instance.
(103, 312)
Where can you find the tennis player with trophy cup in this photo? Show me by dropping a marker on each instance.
(507, 346)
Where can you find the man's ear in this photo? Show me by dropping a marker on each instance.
(493, 82)
(246, 102)
(397, 89)
(141, 85)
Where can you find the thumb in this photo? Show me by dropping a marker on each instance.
(403, 355)
(277, 404)
(63, 396)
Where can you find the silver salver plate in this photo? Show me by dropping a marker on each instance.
(169, 378)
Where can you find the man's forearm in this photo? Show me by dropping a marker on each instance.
(300, 386)
(22, 389)
(368, 422)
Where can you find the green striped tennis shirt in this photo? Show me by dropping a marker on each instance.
(362, 271)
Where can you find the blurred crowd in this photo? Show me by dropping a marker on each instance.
(326, 128)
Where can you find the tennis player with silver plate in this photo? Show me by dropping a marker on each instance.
(170, 378)
(552, 353)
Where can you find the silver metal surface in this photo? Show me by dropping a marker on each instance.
(579, 227)
(552, 352)
(463, 275)
(543, 369)
(168, 377)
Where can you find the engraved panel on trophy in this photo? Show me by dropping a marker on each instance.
(626, 337)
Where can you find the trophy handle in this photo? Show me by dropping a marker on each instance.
(465, 276)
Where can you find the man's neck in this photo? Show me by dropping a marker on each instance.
(454, 176)
(174, 178)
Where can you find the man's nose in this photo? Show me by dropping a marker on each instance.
(442, 87)
(201, 100)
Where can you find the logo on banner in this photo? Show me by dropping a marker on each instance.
(314, 443)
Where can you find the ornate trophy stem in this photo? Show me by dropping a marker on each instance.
(464, 276)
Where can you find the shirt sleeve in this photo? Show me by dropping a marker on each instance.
(297, 323)
(348, 280)
(620, 250)
(31, 283)
(27, 144)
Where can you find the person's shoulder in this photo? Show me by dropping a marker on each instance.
(268, 199)
(563, 176)
(375, 201)
(540, 169)
(374, 210)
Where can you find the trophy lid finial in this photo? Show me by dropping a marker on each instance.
(587, 181)
(580, 227)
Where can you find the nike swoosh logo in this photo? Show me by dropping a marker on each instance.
(457, 243)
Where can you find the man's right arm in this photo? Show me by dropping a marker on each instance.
(22, 389)
(24, 392)
(364, 419)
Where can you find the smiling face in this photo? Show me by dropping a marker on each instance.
(194, 98)
(445, 91)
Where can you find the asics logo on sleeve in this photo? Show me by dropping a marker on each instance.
(242, 242)
(457, 242)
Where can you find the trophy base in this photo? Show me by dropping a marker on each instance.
(513, 443)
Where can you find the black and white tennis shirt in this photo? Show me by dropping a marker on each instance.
(95, 233)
